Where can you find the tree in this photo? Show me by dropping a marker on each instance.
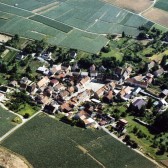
(164, 60)
(123, 34)
(127, 138)
(149, 104)
(161, 122)
(28, 69)
(26, 115)
(135, 130)
(141, 36)
(16, 37)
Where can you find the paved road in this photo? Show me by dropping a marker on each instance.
(18, 126)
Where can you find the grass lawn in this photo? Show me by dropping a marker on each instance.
(9, 56)
(26, 109)
(2, 79)
(114, 53)
(158, 57)
(46, 142)
(6, 121)
(144, 143)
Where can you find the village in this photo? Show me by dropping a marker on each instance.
(81, 95)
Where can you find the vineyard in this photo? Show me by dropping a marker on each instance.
(45, 142)
(75, 24)
(5, 121)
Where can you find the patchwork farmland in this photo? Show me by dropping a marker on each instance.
(70, 146)
(80, 24)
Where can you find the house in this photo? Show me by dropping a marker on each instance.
(64, 93)
(125, 93)
(149, 78)
(136, 91)
(118, 72)
(158, 72)
(126, 73)
(84, 95)
(85, 80)
(24, 80)
(134, 82)
(59, 87)
(21, 56)
(13, 83)
(139, 103)
(99, 93)
(108, 97)
(164, 94)
(31, 88)
(2, 96)
(84, 74)
(66, 68)
(44, 81)
(92, 68)
(46, 55)
(53, 82)
(53, 70)
(151, 65)
(48, 91)
(50, 109)
(42, 99)
(43, 70)
(102, 69)
(66, 107)
(75, 67)
(71, 90)
(121, 124)
(93, 74)
(73, 54)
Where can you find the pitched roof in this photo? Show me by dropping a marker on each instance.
(139, 103)
(43, 81)
(85, 79)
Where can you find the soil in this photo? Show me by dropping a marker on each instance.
(4, 38)
(10, 160)
(157, 15)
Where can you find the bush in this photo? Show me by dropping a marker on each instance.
(26, 115)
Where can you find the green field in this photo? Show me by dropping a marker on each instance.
(162, 4)
(5, 121)
(68, 23)
(45, 142)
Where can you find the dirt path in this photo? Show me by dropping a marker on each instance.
(86, 152)
(10, 160)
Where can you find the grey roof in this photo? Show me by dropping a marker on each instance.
(139, 103)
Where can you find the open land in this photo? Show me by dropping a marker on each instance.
(132, 4)
(8, 159)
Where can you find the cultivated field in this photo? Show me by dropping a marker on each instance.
(157, 15)
(5, 121)
(45, 142)
(73, 23)
(132, 5)
(162, 4)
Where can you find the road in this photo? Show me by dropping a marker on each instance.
(18, 126)
(136, 150)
